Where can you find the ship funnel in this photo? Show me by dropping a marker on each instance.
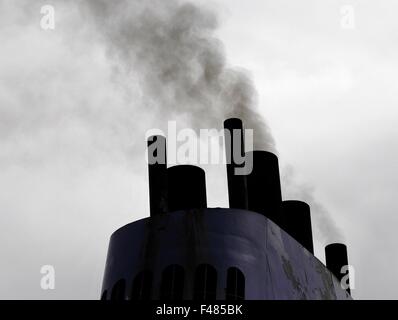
(263, 185)
(234, 148)
(187, 188)
(336, 260)
(296, 220)
(157, 175)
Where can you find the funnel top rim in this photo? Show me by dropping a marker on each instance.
(336, 245)
(186, 167)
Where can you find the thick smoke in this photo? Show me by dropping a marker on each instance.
(183, 72)
(182, 66)
(74, 106)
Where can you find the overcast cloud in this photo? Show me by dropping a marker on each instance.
(72, 130)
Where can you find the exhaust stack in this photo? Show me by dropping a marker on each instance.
(336, 259)
(296, 220)
(187, 188)
(157, 175)
(234, 146)
(264, 187)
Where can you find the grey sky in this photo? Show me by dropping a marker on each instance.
(72, 133)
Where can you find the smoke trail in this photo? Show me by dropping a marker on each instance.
(168, 48)
(61, 108)
(322, 220)
(183, 71)
(171, 46)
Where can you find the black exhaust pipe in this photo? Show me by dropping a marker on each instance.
(296, 220)
(336, 259)
(234, 147)
(187, 188)
(264, 186)
(157, 175)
